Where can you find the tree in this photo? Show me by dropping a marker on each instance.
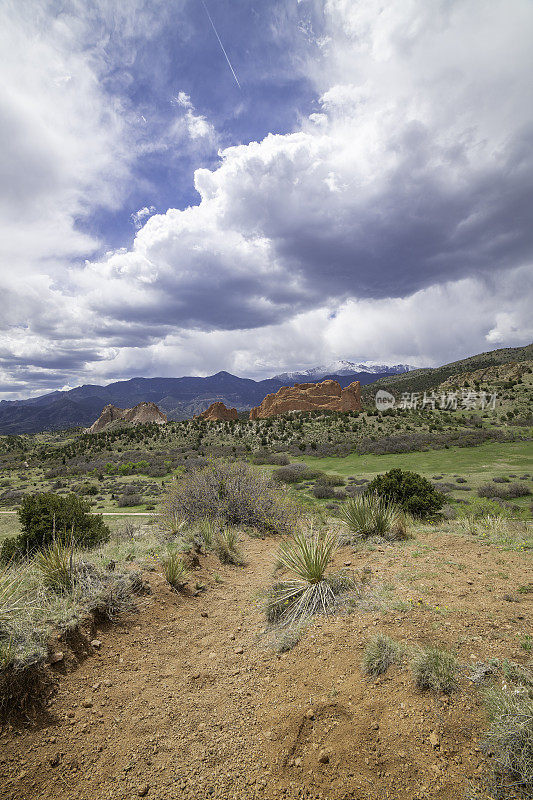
(44, 516)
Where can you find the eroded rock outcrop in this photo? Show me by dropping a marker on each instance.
(218, 412)
(142, 413)
(326, 395)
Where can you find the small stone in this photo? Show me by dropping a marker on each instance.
(323, 757)
(204, 614)
(143, 790)
(87, 703)
(96, 643)
(310, 714)
(56, 657)
(239, 651)
(434, 739)
(55, 759)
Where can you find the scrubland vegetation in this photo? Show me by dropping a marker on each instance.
(326, 523)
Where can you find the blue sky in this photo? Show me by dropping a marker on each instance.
(365, 193)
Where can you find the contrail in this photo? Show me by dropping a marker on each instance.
(221, 45)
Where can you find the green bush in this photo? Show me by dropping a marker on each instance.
(45, 516)
(409, 490)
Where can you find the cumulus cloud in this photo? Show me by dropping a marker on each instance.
(402, 197)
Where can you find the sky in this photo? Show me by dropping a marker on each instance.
(260, 185)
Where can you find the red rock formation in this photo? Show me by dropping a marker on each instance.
(139, 414)
(218, 411)
(327, 395)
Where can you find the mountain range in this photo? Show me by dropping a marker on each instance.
(178, 398)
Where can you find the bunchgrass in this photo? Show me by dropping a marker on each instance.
(380, 653)
(175, 571)
(13, 594)
(56, 567)
(510, 737)
(372, 515)
(226, 545)
(435, 669)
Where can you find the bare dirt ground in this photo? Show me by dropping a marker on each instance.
(186, 699)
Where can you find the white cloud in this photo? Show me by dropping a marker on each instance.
(399, 201)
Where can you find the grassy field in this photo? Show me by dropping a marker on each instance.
(485, 461)
(476, 465)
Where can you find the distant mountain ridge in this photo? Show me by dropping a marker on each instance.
(178, 398)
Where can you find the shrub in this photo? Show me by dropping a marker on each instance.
(175, 571)
(56, 567)
(278, 459)
(234, 493)
(311, 590)
(412, 492)
(371, 515)
(504, 492)
(331, 480)
(226, 547)
(323, 492)
(128, 500)
(46, 516)
(380, 653)
(435, 669)
(294, 473)
(510, 736)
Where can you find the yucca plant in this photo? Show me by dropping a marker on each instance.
(372, 515)
(175, 571)
(56, 567)
(311, 590)
(226, 544)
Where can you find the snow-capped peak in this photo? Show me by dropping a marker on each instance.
(343, 367)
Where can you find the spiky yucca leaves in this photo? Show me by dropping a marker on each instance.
(55, 565)
(175, 571)
(380, 653)
(226, 544)
(311, 590)
(372, 515)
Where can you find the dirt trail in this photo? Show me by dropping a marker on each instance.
(186, 699)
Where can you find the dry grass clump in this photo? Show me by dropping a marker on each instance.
(311, 590)
(234, 493)
(435, 669)
(380, 653)
(13, 594)
(226, 545)
(55, 563)
(175, 571)
(287, 638)
(510, 737)
(372, 515)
